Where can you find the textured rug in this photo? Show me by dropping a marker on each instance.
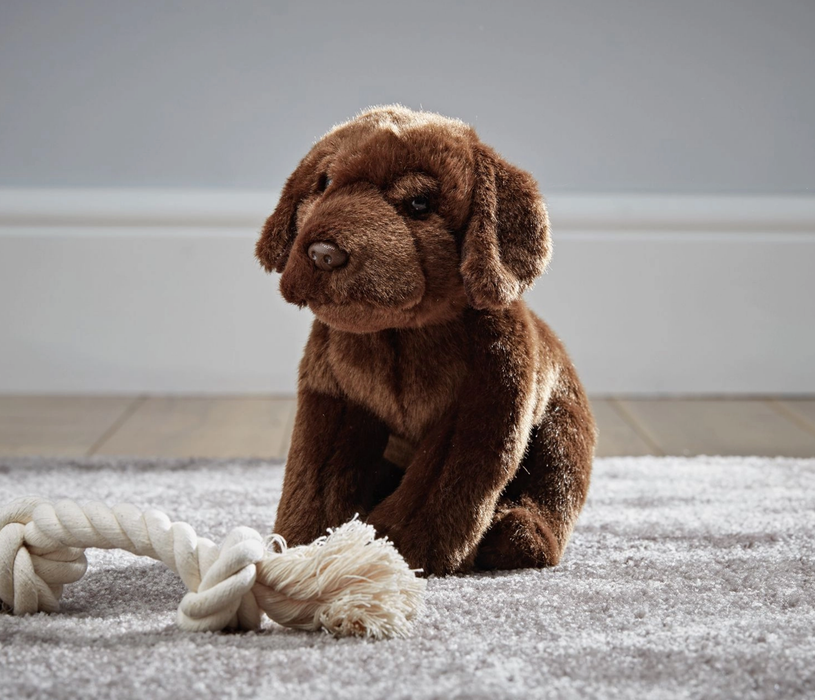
(691, 578)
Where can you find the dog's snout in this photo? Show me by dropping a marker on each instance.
(327, 256)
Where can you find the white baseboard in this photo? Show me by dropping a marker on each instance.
(111, 291)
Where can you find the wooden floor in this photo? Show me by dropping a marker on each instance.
(250, 426)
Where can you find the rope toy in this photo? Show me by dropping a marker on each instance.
(348, 582)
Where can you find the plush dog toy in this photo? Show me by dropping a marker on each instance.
(431, 400)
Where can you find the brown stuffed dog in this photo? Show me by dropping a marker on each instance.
(431, 400)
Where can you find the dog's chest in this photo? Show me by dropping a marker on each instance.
(407, 378)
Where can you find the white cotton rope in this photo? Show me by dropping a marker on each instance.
(348, 582)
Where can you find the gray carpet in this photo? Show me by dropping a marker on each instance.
(687, 578)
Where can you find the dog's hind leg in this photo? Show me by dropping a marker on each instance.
(537, 511)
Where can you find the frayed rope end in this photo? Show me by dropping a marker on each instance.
(349, 583)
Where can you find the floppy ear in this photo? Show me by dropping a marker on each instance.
(280, 230)
(506, 244)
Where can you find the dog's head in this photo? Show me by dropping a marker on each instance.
(400, 218)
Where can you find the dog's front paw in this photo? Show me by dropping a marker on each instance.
(419, 546)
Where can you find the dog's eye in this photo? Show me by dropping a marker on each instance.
(323, 182)
(419, 205)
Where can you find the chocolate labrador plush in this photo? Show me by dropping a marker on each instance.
(431, 401)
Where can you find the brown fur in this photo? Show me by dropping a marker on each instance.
(431, 400)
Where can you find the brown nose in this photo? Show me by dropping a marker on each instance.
(327, 256)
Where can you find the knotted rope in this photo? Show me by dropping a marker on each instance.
(348, 583)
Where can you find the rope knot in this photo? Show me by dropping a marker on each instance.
(32, 576)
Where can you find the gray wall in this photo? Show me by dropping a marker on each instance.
(632, 96)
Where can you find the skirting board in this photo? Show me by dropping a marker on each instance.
(111, 291)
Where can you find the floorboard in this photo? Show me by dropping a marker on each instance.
(801, 411)
(720, 427)
(203, 427)
(617, 437)
(67, 426)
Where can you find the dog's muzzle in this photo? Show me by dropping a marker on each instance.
(327, 256)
